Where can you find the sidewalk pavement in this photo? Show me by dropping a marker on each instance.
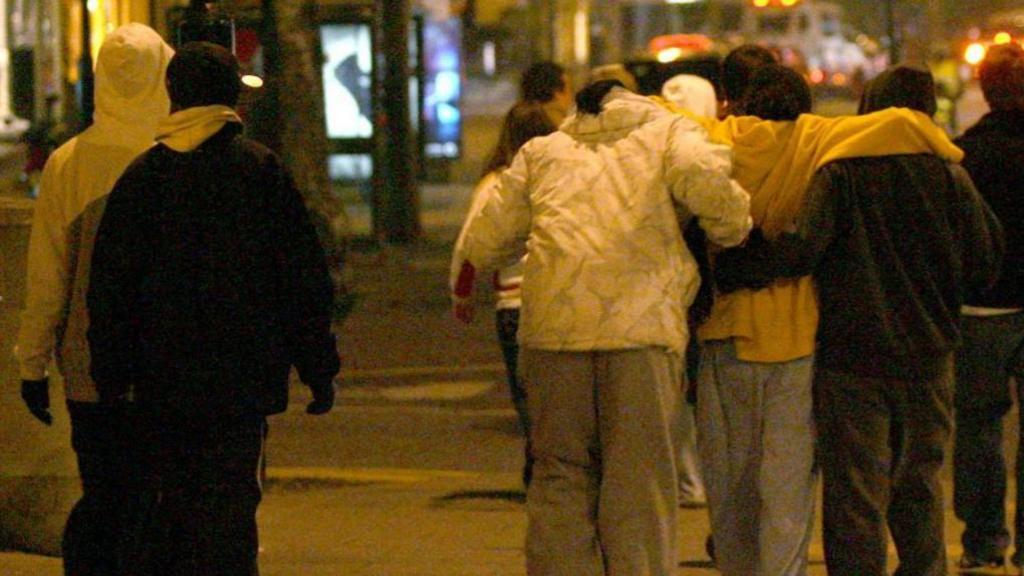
(381, 522)
(424, 523)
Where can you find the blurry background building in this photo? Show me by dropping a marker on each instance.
(331, 103)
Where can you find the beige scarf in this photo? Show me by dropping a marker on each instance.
(187, 129)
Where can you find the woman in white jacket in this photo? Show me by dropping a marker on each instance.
(602, 331)
(524, 122)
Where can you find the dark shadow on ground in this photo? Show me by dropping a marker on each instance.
(512, 496)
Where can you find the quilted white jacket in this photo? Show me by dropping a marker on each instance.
(595, 205)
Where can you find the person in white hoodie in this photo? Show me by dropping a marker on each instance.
(131, 100)
(606, 283)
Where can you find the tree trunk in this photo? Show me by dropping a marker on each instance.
(300, 134)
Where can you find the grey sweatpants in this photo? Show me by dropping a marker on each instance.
(755, 435)
(603, 497)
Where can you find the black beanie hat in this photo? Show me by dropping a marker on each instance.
(901, 87)
(203, 74)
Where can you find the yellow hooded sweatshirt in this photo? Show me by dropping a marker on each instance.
(775, 162)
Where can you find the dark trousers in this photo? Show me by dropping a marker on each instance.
(507, 323)
(209, 483)
(103, 522)
(990, 356)
(881, 447)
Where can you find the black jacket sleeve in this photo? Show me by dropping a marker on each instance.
(117, 265)
(305, 290)
(759, 262)
(981, 235)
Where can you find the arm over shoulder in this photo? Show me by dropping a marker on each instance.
(697, 173)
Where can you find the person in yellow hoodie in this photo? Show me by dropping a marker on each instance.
(754, 420)
(130, 101)
(208, 285)
(894, 243)
(756, 438)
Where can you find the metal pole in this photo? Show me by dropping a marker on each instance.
(894, 40)
(401, 202)
(86, 81)
(38, 50)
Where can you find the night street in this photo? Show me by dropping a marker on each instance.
(415, 472)
(262, 264)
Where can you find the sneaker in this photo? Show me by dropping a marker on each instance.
(975, 565)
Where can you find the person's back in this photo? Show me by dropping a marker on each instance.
(993, 323)
(605, 289)
(208, 284)
(891, 284)
(131, 99)
(130, 102)
(214, 312)
(893, 242)
(600, 208)
(220, 247)
(903, 252)
(991, 148)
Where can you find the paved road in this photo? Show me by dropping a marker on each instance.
(416, 471)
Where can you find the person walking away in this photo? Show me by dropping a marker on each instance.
(525, 121)
(697, 95)
(738, 68)
(776, 161)
(131, 100)
(606, 284)
(893, 243)
(208, 283)
(548, 84)
(754, 408)
(993, 324)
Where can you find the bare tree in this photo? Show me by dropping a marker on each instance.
(294, 120)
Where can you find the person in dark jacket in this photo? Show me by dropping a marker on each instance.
(894, 243)
(208, 284)
(993, 323)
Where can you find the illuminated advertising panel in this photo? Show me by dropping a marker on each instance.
(348, 79)
(442, 59)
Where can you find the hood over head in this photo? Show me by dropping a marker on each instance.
(693, 93)
(131, 94)
(900, 87)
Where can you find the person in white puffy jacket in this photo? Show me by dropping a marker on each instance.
(131, 99)
(605, 289)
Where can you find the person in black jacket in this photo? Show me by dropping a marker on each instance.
(993, 323)
(894, 243)
(208, 284)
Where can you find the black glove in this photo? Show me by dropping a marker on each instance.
(323, 398)
(749, 266)
(36, 394)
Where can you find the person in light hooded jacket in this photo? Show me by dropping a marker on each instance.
(131, 100)
(606, 284)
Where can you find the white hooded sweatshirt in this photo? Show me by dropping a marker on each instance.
(131, 100)
(595, 206)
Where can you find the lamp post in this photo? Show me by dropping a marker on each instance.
(203, 22)
(400, 206)
(86, 81)
(892, 31)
